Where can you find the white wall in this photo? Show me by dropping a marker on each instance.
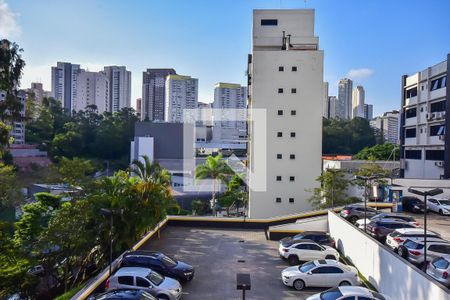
(389, 273)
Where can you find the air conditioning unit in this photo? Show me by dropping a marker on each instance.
(428, 116)
(433, 116)
(439, 164)
(442, 137)
(439, 115)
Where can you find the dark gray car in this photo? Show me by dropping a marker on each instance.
(379, 229)
(354, 212)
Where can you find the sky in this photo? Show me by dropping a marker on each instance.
(372, 42)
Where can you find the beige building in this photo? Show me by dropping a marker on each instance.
(285, 112)
(181, 94)
(358, 102)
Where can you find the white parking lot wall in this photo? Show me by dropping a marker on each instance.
(384, 269)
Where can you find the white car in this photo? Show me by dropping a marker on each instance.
(306, 250)
(348, 292)
(406, 218)
(441, 206)
(144, 279)
(320, 273)
(396, 238)
(439, 269)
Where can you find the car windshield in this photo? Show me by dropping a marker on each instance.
(155, 278)
(306, 267)
(298, 237)
(168, 262)
(332, 294)
(444, 202)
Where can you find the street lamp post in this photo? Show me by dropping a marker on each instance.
(367, 180)
(110, 213)
(425, 194)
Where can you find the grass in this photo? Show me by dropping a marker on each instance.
(364, 279)
(69, 294)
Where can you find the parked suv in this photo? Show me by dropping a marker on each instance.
(412, 204)
(399, 217)
(123, 295)
(144, 279)
(396, 238)
(439, 269)
(379, 229)
(414, 250)
(354, 212)
(320, 237)
(158, 262)
(441, 206)
(306, 250)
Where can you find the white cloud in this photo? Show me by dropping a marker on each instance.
(9, 26)
(359, 73)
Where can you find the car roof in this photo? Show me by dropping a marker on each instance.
(431, 241)
(120, 293)
(389, 220)
(304, 241)
(354, 291)
(312, 232)
(414, 230)
(446, 257)
(143, 253)
(135, 271)
(326, 262)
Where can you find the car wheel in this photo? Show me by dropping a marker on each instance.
(353, 219)
(441, 212)
(163, 297)
(293, 260)
(330, 257)
(299, 285)
(402, 252)
(345, 283)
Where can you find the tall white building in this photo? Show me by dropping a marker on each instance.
(345, 96)
(285, 112)
(388, 125)
(425, 111)
(231, 125)
(181, 93)
(336, 108)
(64, 83)
(119, 87)
(92, 88)
(358, 102)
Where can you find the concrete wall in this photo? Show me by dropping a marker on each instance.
(389, 273)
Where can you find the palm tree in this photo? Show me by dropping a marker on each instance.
(216, 169)
(151, 171)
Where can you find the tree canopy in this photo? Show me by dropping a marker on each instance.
(386, 151)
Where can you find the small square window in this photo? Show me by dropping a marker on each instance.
(279, 156)
(292, 156)
(291, 178)
(292, 134)
(278, 200)
(280, 112)
(281, 68)
(280, 91)
(291, 200)
(293, 112)
(278, 178)
(294, 91)
(294, 69)
(279, 134)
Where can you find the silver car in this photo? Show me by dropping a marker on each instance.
(348, 292)
(144, 279)
(414, 250)
(439, 269)
(320, 273)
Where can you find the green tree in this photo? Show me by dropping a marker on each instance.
(67, 144)
(386, 151)
(235, 194)
(374, 171)
(214, 168)
(76, 170)
(9, 193)
(332, 190)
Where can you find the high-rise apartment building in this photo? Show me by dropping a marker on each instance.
(18, 126)
(368, 111)
(336, 108)
(285, 112)
(181, 94)
(119, 87)
(92, 88)
(230, 114)
(64, 82)
(425, 117)
(345, 96)
(154, 94)
(388, 125)
(325, 103)
(139, 107)
(358, 102)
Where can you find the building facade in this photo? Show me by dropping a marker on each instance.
(139, 107)
(154, 93)
(231, 125)
(18, 126)
(119, 87)
(37, 90)
(336, 108)
(92, 88)
(368, 111)
(325, 103)
(358, 102)
(425, 111)
(181, 94)
(285, 112)
(64, 83)
(388, 125)
(345, 96)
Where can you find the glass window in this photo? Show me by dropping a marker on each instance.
(293, 91)
(278, 178)
(302, 246)
(332, 294)
(411, 113)
(315, 247)
(281, 68)
(438, 106)
(444, 249)
(155, 278)
(280, 91)
(410, 132)
(168, 262)
(434, 154)
(440, 263)
(412, 245)
(293, 112)
(306, 267)
(126, 280)
(334, 270)
(269, 22)
(319, 270)
(279, 134)
(291, 200)
(280, 112)
(292, 156)
(292, 178)
(412, 92)
(294, 69)
(444, 202)
(142, 282)
(413, 154)
(279, 156)
(278, 200)
(292, 134)
(436, 130)
(438, 83)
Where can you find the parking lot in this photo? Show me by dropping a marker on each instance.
(219, 254)
(435, 222)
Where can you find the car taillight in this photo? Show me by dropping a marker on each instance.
(414, 252)
(107, 284)
(445, 275)
(285, 250)
(345, 212)
(333, 242)
(399, 240)
(416, 224)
